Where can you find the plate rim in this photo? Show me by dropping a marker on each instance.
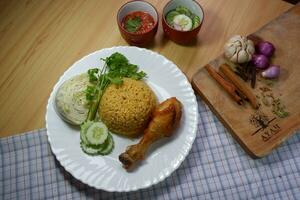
(166, 174)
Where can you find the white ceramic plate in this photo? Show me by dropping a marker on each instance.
(106, 172)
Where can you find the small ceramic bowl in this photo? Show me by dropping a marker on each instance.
(137, 39)
(182, 37)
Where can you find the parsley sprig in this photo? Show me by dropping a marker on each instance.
(133, 24)
(116, 67)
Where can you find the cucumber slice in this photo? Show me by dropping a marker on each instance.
(109, 146)
(83, 137)
(88, 149)
(196, 21)
(97, 133)
(83, 129)
(182, 22)
(95, 139)
(184, 10)
(103, 150)
(170, 16)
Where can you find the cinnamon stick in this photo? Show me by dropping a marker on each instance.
(228, 87)
(226, 70)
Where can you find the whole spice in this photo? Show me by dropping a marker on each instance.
(259, 119)
(268, 99)
(253, 77)
(265, 89)
(228, 87)
(246, 71)
(241, 72)
(279, 109)
(268, 82)
(226, 70)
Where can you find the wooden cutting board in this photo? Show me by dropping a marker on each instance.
(260, 131)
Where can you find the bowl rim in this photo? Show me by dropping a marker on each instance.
(136, 34)
(164, 18)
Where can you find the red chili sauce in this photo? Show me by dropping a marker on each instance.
(138, 22)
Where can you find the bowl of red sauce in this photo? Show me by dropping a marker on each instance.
(182, 20)
(137, 22)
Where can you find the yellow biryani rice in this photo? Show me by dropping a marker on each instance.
(126, 109)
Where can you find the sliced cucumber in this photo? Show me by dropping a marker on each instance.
(108, 147)
(95, 138)
(97, 133)
(184, 10)
(182, 22)
(170, 16)
(89, 149)
(103, 150)
(83, 137)
(83, 129)
(196, 21)
(181, 18)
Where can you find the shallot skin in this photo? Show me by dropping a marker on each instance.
(266, 48)
(260, 61)
(272, 72)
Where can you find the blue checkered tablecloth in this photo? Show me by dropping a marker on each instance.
(216, 168)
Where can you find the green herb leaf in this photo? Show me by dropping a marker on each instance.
(116, 67)
(93, 75)
(116, 80)
(90, 92)
(132, 25)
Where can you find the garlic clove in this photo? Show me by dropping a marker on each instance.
(234, 58)
(242, 56)
(229, 45)
(250, 56)
(250, 49)
(237, 42)
(250, 42)
(244, 42)
(229, 51)
(238, 48)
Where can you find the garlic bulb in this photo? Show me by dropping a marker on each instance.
(239, 49)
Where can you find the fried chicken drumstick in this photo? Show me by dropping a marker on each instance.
(164, 120)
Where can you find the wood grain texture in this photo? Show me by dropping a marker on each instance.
(260, 131)
(40, 39)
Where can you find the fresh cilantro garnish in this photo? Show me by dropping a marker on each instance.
(132, 25)
(116, 67)
(90, 93)
(120, 67)
(93, 74)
